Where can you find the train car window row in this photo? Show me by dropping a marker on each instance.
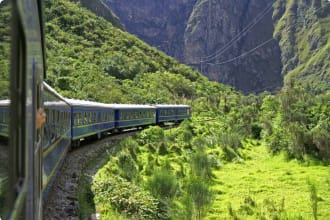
(136, 115)
(167, 112)
(57, 124)
(107, 116)
(84, 118)
(183, 111)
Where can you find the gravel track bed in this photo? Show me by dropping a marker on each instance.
(62, 199)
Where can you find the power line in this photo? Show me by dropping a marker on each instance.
(243, 54)
(239, 35)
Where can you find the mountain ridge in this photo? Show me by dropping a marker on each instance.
(202, 28)
(251, 63)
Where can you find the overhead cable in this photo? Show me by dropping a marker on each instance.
(237, 37)
(243, 54)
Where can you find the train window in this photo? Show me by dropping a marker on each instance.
(57, 116)
(94, 117)
(76, 118)
(86, 118)
(80, 118)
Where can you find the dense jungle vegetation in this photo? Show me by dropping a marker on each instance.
(260, 156)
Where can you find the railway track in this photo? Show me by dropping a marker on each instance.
(62, 198)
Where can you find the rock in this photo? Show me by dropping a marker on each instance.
(191, 29)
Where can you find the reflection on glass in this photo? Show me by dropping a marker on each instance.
(4, 102)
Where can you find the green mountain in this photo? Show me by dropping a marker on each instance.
(89, 58)
(303, 31)
(231, 41)
(99, 8)
(214, 36)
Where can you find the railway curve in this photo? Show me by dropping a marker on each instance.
(62, 198)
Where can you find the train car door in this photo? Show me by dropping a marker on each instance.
(22, 199)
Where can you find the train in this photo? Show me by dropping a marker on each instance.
(31, 156)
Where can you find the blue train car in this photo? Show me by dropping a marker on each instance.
(57, 133)
(130, 116)
(171, 113)
(4, 118)
(90, 119)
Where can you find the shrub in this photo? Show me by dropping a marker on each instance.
(127, 166)
(201, 165)
(126, 198)
(163, 184)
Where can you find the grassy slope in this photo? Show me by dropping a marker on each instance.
(265, 177)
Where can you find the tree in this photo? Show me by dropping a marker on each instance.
(200, 194)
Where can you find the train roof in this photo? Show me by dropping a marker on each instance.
(171, 106)
(86, 103)
(132, 106)
(4, 102)
(51, 90)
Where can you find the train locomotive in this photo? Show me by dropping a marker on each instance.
(31, 156)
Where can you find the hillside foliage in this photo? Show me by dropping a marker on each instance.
(303, 31)
(88, 58)
(162, 174)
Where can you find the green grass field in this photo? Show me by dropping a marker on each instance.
(264, 185)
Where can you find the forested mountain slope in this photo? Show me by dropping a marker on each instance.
(89, 58)
(303, 31)
(99, 8)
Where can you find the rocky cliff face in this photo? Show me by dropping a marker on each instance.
(231, 42)
(159, 23)
(303, 32)
(194, 30)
